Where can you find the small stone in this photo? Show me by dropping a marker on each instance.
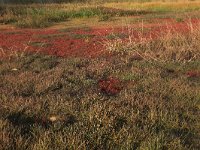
(53, 118)
(14, 69)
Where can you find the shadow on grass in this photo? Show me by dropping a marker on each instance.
(26, 122)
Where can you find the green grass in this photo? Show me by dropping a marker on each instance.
(43, 16)
(39, 44)
(71, 29)
(113, 36)
(40, 16)
(50, 36)
(81, 36)
(25, 16)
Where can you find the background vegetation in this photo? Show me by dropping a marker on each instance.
(39, 15)
(89, 1)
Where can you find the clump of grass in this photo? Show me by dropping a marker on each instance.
(113, 36)
(110, 85)
(81, 36)
(41, 17)
(39, 44)
(179, 19)
(105, 17)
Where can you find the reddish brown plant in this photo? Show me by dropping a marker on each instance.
(110, 85)
(193, 74)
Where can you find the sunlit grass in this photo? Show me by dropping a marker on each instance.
(38, 15)
(50, 102)
(157, 6)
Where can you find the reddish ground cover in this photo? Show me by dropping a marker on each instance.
(193, 74)
(110, 85)
(81, 42)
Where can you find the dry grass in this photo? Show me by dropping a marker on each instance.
(157, 6)
(168, 46)
(145, 96)
(56, 103)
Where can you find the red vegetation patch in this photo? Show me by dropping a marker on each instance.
(193, 74)
(110, 85)
(78, 42)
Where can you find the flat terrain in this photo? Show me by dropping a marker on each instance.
(84, 39)
(107, 76)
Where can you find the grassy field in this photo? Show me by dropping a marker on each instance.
(144, 95)
(44, 15)
(138, 99)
